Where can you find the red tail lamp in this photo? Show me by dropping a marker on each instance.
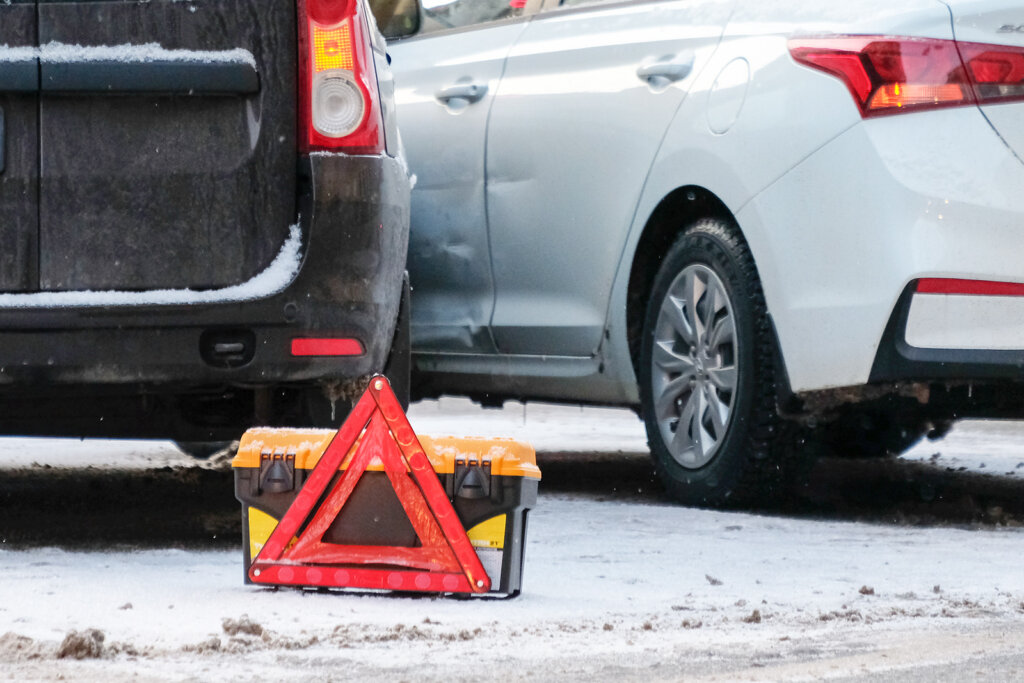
(326, 346)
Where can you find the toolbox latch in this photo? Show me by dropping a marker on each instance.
(472, 478)
(277, 472)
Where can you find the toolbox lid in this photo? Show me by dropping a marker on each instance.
(507, 457)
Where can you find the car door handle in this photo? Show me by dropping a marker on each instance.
(469, 92)
(667, 70)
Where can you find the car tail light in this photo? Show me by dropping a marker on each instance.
(339, 106)
(889, 75)
(996, 71)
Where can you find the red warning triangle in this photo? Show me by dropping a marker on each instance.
(445, 562)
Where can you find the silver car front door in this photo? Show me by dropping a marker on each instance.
(445, 85)
(588, 92)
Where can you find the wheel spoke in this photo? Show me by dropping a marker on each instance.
(671, 362)
(672, 311)
(665, 403)
(723, 333)
(718, 411)
(687, 435)
(716, 328)
(699, 436)
(724, 378)
(693, 288)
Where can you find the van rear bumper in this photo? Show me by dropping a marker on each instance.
(354, 222)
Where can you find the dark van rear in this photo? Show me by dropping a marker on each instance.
(203, 213)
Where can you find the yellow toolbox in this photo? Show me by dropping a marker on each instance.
(491, 484)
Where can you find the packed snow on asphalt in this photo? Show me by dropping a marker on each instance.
(618, 585)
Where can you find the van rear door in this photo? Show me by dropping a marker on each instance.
(167, 141)
(19, 149)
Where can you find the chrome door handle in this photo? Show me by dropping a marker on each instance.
(667, 70)
(469, 92)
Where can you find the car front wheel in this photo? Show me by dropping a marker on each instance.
(706, 372)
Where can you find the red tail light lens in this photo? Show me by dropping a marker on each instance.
(996, 71)
(303, 346)
(890, 75)
(338, 101)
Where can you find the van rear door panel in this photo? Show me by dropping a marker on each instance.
(167, 134)
(19, 157)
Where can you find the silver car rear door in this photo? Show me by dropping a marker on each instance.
(445, 83)
(587, 94)
(19, 146)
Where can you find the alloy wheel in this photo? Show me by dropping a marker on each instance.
(694, 366)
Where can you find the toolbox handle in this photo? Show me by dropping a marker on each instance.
(277, 472)
(472, 482)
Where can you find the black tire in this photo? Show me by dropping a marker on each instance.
(201, 450)
(743, 465)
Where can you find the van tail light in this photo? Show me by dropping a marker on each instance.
(890, 75)
(339, 107)
(329, 346)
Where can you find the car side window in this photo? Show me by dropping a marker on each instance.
(396, 18)
(439, 15)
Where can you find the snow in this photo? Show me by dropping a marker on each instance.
(600, 576)
(62, 53)
(987, 446)
(552, 428)
(29, 452)
(271, 280)
(984, 446)
(16, 54)
(617, 589)
(548, 427)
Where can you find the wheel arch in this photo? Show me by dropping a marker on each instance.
(674, 212)
(679, 208)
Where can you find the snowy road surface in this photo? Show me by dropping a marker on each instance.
(616, 587)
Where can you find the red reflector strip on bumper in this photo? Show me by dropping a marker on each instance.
(979, 287)
(326, 347)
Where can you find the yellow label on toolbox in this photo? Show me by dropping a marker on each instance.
(261, 525)
(489, 533)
